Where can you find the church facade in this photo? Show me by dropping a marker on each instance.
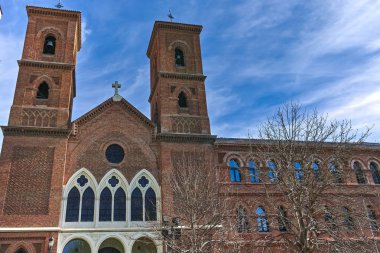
(100, 183)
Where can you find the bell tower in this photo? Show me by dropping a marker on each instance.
(45, 85)
(177, 98)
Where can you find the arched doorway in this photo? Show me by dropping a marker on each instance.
(76, 246)
(111, 245)
(144, 245)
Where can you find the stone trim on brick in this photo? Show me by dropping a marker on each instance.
(43, 64)
(183, 138)
(35, 131)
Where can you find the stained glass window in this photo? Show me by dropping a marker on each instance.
(119, 205)
(105, 206)
(150, 205)
(136, 205)
(88, 200)
(72, 206)
(115, 153)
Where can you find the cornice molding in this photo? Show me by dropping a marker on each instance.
(185, 138)
(183, 76)
(43, 64)
(35, 131)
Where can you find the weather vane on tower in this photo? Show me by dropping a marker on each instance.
(170, 16)
(59, 5)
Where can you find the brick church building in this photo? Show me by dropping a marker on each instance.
(99, 182)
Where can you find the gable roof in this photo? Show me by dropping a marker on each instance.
(107, 104)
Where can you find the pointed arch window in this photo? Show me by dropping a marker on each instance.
(182, 100)
(136, 205)
(372, 218)
(119, 210)
(49, 45)
(272, 172)
(105, 205)
(316, 170)
(359, 173)
(348, 222)
(43, 91)
(298, 171)
(242, 220)
(375, 172)
(179, 58)
(150, 205)
(88, 202)
(112, 204)
(282, 220)
(72, 207)
(253, 172)
(262, 223)
(334, 169)
(329, 219)
(234, 171)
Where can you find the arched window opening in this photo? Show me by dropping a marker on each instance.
(150, 205)
(242, 220)
(316, 170)
(43, 91)
(348, 222)
(49, 45)
(21, 250)
(375, 172)
(298, 171)
(182, 100)
(282, 220)
(72, 206)
(119, 205)
(329, 219)
(372, 218)
(234, 171)
(179, 58)
(88, 201)
(359, 173)
(272, 173)
(105, 206)
(77, 245)
(253, 172)
(136, 205)
(262, 223)
(333, 167)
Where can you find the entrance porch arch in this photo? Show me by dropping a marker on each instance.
(144, 245)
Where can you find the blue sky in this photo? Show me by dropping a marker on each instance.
(257, 55)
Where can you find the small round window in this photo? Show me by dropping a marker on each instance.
(114, 153)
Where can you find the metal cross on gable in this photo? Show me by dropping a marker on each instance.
(116, 85)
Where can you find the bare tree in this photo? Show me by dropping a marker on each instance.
(309, 204)
(198, 221)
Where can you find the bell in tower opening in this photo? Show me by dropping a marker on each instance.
(49, 45)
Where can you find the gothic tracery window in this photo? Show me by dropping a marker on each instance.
(49, 45)
(179, 58)
(136, 205)
(72, 207)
